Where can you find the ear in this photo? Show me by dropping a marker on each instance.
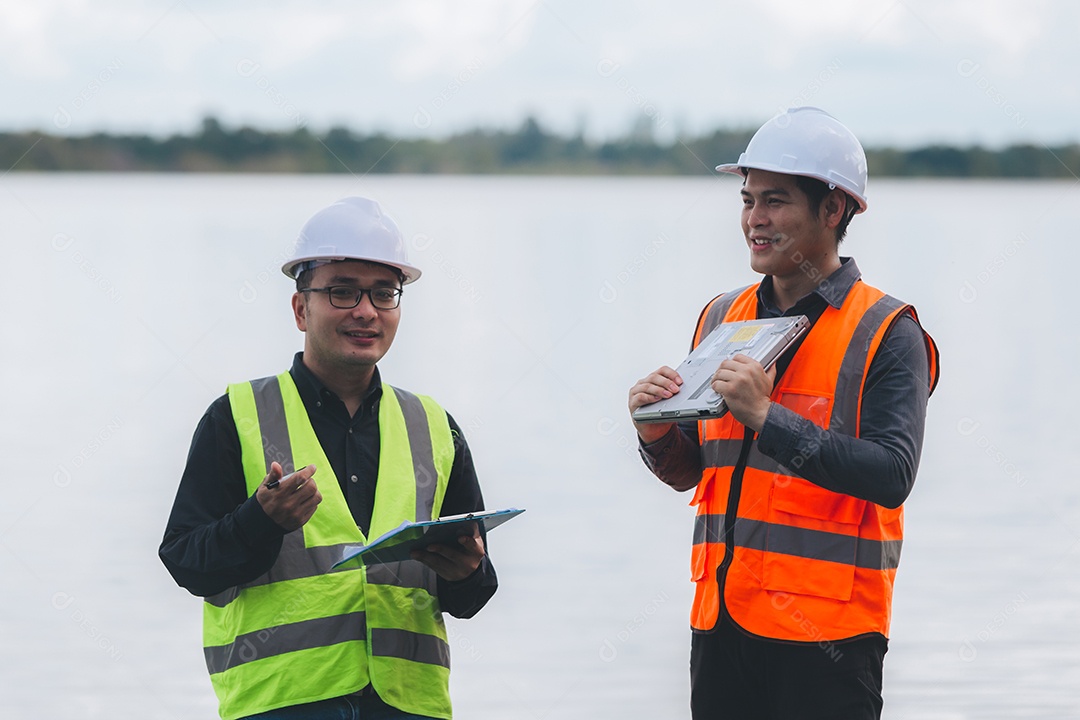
(299, 307)
(833, 207)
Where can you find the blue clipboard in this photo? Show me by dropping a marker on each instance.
(396, 545)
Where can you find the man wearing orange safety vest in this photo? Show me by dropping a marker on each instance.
(799, 488)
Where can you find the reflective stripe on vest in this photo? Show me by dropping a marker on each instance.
(334, 631)
(802, 542)
(806, 564)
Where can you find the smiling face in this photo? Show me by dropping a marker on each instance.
(346, 343)
(786, 238)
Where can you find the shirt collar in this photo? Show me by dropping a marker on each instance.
(833, 290)
(311, 388)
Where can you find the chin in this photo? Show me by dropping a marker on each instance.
(761, 267)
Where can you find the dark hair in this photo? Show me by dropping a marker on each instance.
(816, 191)
(303, 280)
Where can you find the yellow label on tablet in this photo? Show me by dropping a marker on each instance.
(745, 334)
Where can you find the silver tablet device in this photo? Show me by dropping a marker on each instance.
(763, 340)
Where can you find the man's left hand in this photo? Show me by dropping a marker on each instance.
(454, 563)
(746, 387)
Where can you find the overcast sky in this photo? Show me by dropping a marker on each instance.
(901, 72)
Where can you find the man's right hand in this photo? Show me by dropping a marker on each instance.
(659, 385)
(290, 501)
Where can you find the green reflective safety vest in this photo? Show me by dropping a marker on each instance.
(304, 632)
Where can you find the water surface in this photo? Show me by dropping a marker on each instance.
(134, 299)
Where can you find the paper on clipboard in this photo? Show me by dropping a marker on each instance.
(396, 545)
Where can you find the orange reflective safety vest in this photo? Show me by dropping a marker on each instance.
(787, 559)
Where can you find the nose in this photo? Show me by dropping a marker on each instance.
(365, 308)
(755, 216)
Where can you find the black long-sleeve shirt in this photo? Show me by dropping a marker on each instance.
(218, 536)
(880, 464)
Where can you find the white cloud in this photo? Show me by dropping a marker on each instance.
(878, 63)
(1010, 27)
(444, 36)
(27, 43)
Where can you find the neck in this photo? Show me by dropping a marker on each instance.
(350, 383)
(788, 290)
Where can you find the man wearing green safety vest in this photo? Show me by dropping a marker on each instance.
(284, 471)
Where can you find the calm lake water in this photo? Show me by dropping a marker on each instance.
(136, 298)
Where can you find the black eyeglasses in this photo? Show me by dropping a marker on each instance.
(346, 296)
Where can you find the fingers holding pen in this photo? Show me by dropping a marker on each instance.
(296, 480)
(290, 500)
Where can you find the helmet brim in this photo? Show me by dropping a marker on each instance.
(411, 273)
(737, 169)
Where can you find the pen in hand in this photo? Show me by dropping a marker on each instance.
(274, 483)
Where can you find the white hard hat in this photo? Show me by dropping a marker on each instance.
(353, 228)
(807, 141)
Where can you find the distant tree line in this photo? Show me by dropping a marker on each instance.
(530, 149)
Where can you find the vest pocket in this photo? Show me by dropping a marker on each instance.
(812, 535)
(698, 563)
(814, 407)
(699, 550)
